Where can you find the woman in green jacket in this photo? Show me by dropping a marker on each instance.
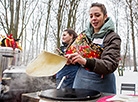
(99, 75)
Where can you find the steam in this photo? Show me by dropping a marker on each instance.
(22, 82)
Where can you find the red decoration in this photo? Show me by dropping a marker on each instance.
(9, 41)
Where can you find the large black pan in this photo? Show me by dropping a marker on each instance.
(69, 94)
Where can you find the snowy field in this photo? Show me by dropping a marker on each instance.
(129, 77)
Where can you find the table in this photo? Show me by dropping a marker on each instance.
(33, 97)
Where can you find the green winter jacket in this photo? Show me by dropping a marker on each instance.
(111, 44)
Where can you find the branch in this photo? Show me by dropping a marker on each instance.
(29, 18)
(1, 21)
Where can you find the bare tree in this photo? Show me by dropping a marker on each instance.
(46, 24)
(4, 18)
(127, 42)
(26, 14)
(10, 23)
(72, 13)
(116, 6)
(129, 3)
(61, 8)
(16, 20)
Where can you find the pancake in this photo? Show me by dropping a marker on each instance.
(45, 64)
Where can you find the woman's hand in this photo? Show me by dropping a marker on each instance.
(75, 58)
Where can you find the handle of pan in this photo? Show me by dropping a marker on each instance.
(63, 78)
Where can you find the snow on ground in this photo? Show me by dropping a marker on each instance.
(129, 77)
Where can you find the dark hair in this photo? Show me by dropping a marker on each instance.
(101, 6)
(71, 31)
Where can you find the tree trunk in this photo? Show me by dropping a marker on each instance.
(16, 20)
(12, 16)
(46, 25)
(61, 8)
(72, 13)
(132, 33)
